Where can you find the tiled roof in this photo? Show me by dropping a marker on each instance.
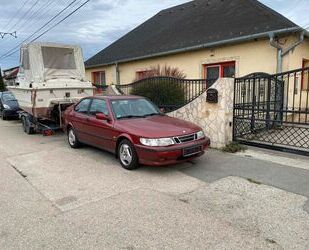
(192, 24)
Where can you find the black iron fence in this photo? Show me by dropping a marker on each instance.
(273, 110)
(166, 92)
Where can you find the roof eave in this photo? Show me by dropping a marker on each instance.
(203, 46)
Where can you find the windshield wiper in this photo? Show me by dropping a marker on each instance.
(153, 114)
(131, 116)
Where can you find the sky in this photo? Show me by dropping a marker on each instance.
(98, 23)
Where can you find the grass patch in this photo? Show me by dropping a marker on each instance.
(271, 241)
(233, 148)
(254, 181)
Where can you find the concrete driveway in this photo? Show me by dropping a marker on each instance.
(54, 197)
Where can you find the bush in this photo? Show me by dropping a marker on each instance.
(234, 148)
(163, 92)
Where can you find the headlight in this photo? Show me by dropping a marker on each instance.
(162, 142)
(6, 106)
(200, 135)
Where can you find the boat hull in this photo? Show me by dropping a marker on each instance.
(40, 102)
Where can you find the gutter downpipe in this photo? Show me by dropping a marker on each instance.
(281, 54)
(117, 74)
(281, 51)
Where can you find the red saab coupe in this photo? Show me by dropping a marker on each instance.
(135, 130)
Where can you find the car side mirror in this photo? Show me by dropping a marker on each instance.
(101, 116)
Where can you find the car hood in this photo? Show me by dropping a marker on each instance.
(157, 127)
(13, 104)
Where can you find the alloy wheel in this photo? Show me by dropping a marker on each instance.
(72, 137)
(126, 155)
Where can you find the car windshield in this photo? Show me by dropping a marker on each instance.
(8, 97)
(134, 108)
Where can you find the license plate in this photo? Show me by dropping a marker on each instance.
(192, 151)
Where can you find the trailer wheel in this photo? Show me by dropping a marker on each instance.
(27, 125)
(23, 122)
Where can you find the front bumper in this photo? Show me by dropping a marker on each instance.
(10, 113)
(162, 156)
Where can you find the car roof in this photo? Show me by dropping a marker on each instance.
(119, 97)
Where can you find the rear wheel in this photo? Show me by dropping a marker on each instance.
(23, 122)
(72, 138)
(127, 155)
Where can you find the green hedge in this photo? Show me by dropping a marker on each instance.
(161, 92)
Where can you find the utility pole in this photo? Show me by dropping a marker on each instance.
(3, 34)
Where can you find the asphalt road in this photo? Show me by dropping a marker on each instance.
(291, 179)
(54, 197)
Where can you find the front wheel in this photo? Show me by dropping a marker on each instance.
(127, 155)
(72, 138)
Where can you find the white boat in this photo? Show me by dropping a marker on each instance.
(51, 77)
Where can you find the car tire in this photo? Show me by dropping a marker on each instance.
(127, 155)
(23, 122)
(72, 138)
(27, 125)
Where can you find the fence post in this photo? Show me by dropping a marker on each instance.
(252, 127)
(234, 109)
(268, 103)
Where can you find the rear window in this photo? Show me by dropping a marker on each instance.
(58, 58)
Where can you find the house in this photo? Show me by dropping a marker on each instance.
(205, 39)
(10, 75)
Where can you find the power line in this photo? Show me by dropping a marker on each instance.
(25, 14)
(16, 14)
(66, 17)
(35, 14)
(38, 30)
(44, 15)
(9, 53)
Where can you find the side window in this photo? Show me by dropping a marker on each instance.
(98, 106)
(25, 59)
(99, 78)
(83, 106)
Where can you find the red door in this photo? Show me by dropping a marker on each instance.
(219, 70)
(100, 132)
(80, 119)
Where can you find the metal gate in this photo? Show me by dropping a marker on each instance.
(272, 111)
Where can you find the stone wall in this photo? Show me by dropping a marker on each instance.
(215, 119)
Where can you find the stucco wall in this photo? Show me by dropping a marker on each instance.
(110, 74)
(301, 52)
(215, 119)
(255, 56)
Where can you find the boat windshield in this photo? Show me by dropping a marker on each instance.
(58, 58)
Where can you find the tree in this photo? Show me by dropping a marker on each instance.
(2, 86)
